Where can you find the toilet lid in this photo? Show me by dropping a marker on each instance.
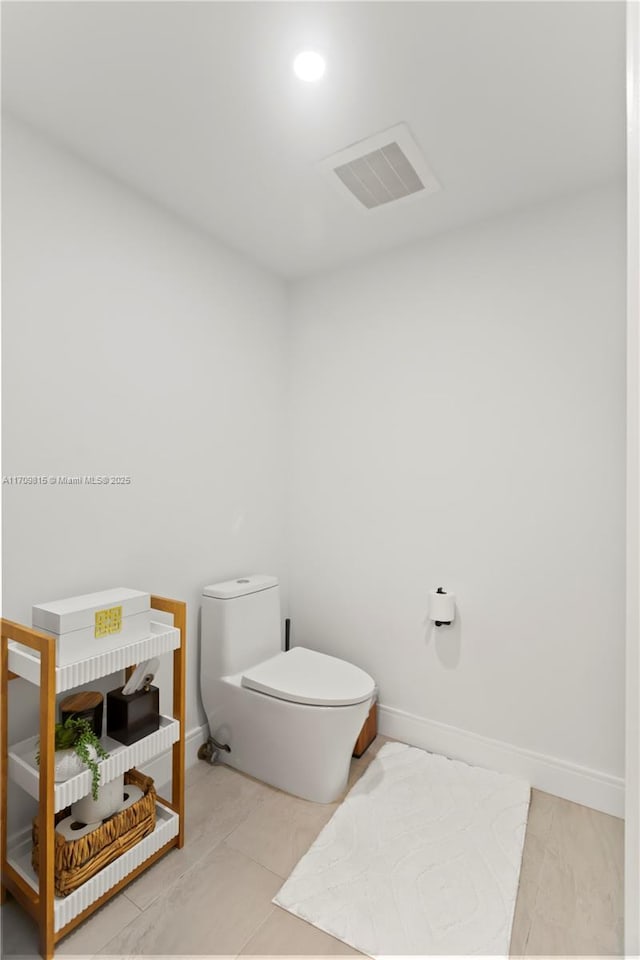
(305, 676)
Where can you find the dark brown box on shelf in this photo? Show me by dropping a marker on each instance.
(132, 717)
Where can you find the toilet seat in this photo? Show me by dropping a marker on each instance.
(306, 676)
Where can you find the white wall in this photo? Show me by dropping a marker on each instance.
(458, 419)
(133, 345)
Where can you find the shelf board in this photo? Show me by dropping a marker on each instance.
(24, 770)
(162, 639)
(65, 909)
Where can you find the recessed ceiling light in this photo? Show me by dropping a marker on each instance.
(309, 66)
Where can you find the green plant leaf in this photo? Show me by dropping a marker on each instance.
(77, 733)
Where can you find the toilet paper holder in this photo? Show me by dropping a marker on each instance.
(442, 623)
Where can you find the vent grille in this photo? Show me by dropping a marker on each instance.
(384, 168)
(380, 176)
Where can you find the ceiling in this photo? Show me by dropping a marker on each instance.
(195, 105)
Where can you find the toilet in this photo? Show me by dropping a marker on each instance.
(289, 718)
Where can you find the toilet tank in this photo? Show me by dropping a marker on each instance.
(240, 624)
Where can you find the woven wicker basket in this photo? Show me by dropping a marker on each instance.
(76, 861)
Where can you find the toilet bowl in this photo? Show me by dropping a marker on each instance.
(289, 718)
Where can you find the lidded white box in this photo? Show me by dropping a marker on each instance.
(94, 623)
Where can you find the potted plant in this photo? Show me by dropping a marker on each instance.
(77, 746)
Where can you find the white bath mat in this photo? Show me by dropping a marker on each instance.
(423, 857)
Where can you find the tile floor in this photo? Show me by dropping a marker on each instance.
(213, 897)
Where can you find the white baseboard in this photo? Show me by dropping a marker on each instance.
(192, 742)
(591, 788)
(579, 784)
(160, 767)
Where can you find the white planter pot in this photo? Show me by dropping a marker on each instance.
(109, 799)
(68, 764)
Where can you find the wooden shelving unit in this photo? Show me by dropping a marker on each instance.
(58, 916)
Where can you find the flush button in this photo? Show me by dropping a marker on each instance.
(243, 581)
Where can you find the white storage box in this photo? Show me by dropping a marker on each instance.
(94, 623)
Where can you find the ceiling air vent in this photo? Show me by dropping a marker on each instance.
(381, 169)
